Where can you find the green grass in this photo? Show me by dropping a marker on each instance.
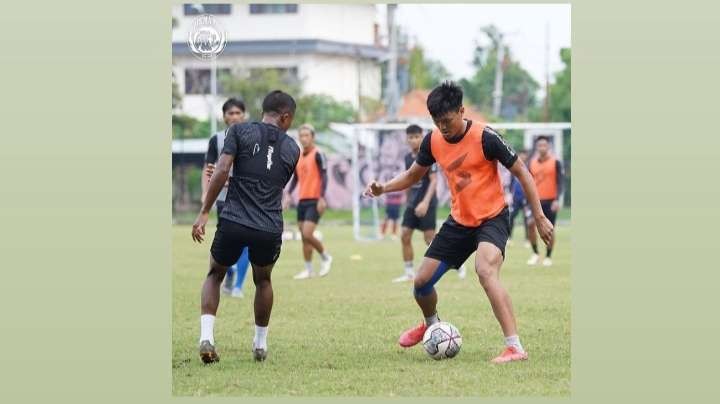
(336, 336)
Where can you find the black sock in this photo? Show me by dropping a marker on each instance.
(549, 252)
(534, 247)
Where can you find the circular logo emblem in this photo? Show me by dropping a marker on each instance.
(206, 37)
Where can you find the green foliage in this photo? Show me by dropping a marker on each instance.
(519, 87)
(560, 91)
(319, 110)
(187, 127)
(425, 73)
(176, 98)
(254, 84)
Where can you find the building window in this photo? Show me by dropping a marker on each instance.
(273, 8)
(197, 81)
(197, 9)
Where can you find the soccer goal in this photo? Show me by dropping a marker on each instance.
(378, 151)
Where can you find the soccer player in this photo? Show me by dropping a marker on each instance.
(421, 206)
(518, 199)
(311, 175)
(547, 172)
(393, 202)
(233, 112)
(468, 153)
(262, 157)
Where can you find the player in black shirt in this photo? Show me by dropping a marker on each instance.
(263, 158)
(420, 207)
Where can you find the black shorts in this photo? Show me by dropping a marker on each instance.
(412, 221)
(392, 212)
(231, 238)
(546, 205)
(454, 243)
(307, 211)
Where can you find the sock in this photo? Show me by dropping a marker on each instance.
(324, 255)
(514, 341)
(260, 340)
(409, 270)
(549, 252)
(534, 248)
(207, 323)
(432, 320)
(308, 266)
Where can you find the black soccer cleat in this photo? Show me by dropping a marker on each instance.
(259, 354)
(207, 353)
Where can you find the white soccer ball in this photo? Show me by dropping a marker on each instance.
(442, 340)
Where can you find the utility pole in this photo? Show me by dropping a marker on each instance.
(392, 90)
(498, 91)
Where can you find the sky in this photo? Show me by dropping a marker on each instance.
(448, 32)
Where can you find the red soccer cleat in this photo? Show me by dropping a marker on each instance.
(412, 336)
(510, 354)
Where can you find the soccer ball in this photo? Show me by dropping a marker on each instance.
(442, 340)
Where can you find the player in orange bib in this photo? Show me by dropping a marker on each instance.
(547, 171)
(468, 153)
(311, 176)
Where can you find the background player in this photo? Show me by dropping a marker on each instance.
(262, 157)
(233, 112)
(311, 175)
(421, 206)
(547, 172)
(468, 153)
(518, 200)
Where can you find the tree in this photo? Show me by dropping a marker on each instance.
(559, 105)
(254, 84)
(519, 87)
(425, 73)
(319, 110)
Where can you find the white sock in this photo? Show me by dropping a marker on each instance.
(207, 323)
(514, 341)
(308, 266)
(409, 269)
(432, 320)
(325, 256)
(260, 340)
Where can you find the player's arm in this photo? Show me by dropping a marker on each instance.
(216, 184)
(401, 181)
(422, 207)
(560, 178)
(210, 160)
(322, 168)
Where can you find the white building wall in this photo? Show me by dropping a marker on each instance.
(334, 22)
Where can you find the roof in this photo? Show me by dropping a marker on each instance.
(292, 46)
(414, 106)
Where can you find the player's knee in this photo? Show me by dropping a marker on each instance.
(406, 238)
(217, 272)
(485, 270)
(307, 234)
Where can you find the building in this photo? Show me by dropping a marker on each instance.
(332, 49)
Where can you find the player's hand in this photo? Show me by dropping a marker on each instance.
(421, 209)
(555, 205)
(198, 229)
(209, 169)
(321, 205)
(545, 229)
(374, 189)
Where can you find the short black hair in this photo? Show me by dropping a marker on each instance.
(279, 103)
(542, 137)
(413, 129)
(233, 102)
(447, 97)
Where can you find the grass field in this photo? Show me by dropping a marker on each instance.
(336, 336)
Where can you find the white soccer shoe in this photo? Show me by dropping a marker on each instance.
(305, 274)
(237, 292)
(226, 290)
(547, 262)
(325, 266)
(534, 259)
(404, 278)
(462, 272)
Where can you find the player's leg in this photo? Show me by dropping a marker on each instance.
(407, 254)
(230, 275)
(264, 250)
(241, 268)
(547, 210)
(307, 249)
(532, 237)
(312, 218)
